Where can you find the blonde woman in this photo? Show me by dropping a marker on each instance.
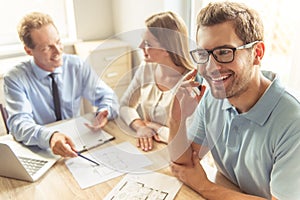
(166, 61)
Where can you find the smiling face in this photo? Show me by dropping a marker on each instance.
(48, 49)
(231, 79)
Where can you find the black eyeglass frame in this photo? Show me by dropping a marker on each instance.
(245, 46)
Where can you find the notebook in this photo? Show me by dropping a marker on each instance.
(82, 136)
(23, 162)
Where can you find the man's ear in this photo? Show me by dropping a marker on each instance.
(259, 52)
(28, 50)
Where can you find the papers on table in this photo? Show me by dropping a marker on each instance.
(150, 186)
(114, 161)
(81, 135)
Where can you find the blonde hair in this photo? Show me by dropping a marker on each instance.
(170, 31)
(34, 20)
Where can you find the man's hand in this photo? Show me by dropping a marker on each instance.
(62, 145)
(195, 176)
(99, 121)
(186, 98)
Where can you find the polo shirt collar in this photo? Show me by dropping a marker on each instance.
(263, 108)
(40, 73)
(261, 111)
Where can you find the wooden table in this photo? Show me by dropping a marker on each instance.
(58, 182)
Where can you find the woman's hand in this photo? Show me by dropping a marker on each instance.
(156, 127)
(145, 138)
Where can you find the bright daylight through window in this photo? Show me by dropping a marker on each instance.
(10, 14)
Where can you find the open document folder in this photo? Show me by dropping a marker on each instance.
(83, 137)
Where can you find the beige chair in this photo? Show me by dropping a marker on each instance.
(4, 116)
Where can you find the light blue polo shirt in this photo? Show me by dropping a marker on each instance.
(259, 150)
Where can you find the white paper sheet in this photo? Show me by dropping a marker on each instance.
(114, 161)
(150, 186)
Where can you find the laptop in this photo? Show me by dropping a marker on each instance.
(23, 162)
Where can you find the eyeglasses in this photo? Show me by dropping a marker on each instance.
(221, 54)
(153, 44)
(146, 44)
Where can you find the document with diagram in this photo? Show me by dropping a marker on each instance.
(113, 161)
(146, 186)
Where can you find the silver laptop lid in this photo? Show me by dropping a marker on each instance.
(10, 165)
(13, 168)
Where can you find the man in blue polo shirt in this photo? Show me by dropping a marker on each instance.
(246, 118)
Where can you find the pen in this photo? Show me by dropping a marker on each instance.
(79, 154)
(197, 90)
(201, 82)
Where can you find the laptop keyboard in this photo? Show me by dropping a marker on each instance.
(32, 165)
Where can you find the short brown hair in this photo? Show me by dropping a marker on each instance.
(247, 22)
(171, 32)
(34, 20)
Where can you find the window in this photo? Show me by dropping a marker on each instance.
(60, 10)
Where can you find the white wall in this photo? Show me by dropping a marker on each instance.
(129, 18)
(94, 19)
(101, 19)
(131, 14)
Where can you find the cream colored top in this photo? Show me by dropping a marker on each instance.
(144, 95)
